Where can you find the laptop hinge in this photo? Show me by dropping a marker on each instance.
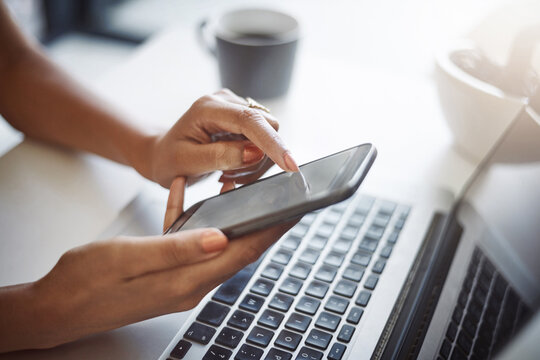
(407, 325)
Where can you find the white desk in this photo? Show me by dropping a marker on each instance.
(332, 104)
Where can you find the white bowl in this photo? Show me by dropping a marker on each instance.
(476, 111)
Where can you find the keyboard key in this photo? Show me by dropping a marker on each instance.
(282, 257)
(272, 271)
(342, 245)
(332, 217)
(451, 331)
(337, 351)
(349, 232)
(308, 305)
(309, 256)
(381, 220)
(346, 333)
(378, 267)
(298, 322)
(240, 320)
(288, 340)
(354, 273)
(328, 321)
(325, 230)
(291, 242)
(291, 286)
(341, 206)
(355, 315)
(309, 218)
(200, 333)
(281, 302)
(375, 232)
(262, 287)
(260, 336)
(364, 205)
(368, 244)
(229, 337)
(318, 339)
(480, 294)
(361, 258)
(392, 238)
(336, 304)
(252, 303)
(386, 251)
(275, 354)
(213, 314)
(399, 224)
(458, 354)
(387, 207)
(334, 259)
(181, 349)
(217, 353)
(469, 326)
(326, 273)
(457, 315)
(345, 288)
(318, 242)
(446, 347)
(371, 281)
(405, 210)
(271, 319)
(317, 289)
(300, 270)
(231, 289)
(248, 352)
(299, 230)
(464, 342)
(307, 353)
(357, 220)
(363, 298)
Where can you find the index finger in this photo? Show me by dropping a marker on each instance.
(251, 123)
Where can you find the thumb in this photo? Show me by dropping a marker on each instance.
(175, 203)
(150, 254)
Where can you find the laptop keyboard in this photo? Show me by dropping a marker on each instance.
(488, 312)
(307, 299)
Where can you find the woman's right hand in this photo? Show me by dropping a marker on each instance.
(108, 284)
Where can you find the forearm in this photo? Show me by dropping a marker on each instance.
(21, 325)
(44, 103)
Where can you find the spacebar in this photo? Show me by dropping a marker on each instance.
(231, 289)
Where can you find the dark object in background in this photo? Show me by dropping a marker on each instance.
(84, 16)
(255, 50)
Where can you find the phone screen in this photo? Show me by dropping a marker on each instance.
(276, 193)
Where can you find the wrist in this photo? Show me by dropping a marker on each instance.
(139, 153)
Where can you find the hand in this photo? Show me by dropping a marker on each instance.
(218, 132)
(108, 284)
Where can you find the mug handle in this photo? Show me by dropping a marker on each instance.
(202, 36)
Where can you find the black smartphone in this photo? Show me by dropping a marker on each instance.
(281, 197)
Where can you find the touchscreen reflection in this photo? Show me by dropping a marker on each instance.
(269, 196)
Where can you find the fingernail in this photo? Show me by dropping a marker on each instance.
(290, 163)
(251, 154)
(213, 241)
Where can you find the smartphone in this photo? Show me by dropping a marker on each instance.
(282, 197)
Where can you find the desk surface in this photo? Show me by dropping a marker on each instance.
(332, 104)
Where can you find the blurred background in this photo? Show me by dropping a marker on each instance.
(89, 37)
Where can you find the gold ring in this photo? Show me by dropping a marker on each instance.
(255, 105)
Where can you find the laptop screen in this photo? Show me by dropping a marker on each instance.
(505, 192)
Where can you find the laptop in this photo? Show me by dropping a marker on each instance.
(407, 275)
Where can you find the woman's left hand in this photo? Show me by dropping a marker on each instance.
(218, 132)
